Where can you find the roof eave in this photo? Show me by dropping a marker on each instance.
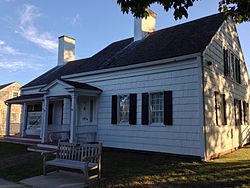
(138, 65)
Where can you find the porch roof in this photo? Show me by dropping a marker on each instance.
(81, 85)
(25, 98)
(61, 87)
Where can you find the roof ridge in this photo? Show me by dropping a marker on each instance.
(189, 22)
(5, 85)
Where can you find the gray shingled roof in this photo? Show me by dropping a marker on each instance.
(5, 85)
(25, 97)
(183, 39)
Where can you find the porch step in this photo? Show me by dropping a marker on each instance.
(22, 140)
(50, 146)
(40, 149)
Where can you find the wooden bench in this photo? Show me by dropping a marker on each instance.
(85, 157)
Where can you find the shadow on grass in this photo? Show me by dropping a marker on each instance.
(126, 169)
(130, 169)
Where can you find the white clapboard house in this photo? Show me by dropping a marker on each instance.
(180, 90)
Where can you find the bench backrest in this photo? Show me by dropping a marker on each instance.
(80, 152)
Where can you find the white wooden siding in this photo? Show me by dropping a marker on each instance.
(183, 137)
(222, 138)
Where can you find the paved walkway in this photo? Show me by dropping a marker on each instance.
(60, 179)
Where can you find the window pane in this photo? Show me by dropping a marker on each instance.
(157, 107)
(124, 108)
(15, 94)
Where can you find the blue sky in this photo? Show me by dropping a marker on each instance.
(30, 30)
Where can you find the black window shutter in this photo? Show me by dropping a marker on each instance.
(168, 108)
(114, 109)
(145, 109)
(224, 106)
(239, 72)
(216, 106)
(235, 111)
(244, 111)
(247, 113)
(240, 112)
(225, 62)
(132, 108)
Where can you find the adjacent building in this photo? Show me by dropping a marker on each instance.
(8, 91)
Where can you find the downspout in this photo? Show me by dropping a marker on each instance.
(201, 107)
(203, 104)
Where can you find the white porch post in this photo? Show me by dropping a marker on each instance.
(41, 132)
(44, 126)
(66, 111)
(7, 130)
(23, 117)
(73, 120)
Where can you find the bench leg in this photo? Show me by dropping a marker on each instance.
(86, 174)
(44, 170)
(99, 174)
(99, 171)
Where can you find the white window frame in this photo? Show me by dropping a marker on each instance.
(150, 109)
(232, 65)
(18, 93)
(119, 112)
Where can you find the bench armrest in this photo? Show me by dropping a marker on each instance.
(47, 153)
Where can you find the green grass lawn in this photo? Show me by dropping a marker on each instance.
(8, 149)
(128, 169)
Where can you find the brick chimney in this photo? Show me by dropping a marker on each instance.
(144, 26)
(66, 49)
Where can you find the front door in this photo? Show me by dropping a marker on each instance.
(85, 110)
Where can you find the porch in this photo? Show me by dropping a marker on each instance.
(63, 110)
(28, 139)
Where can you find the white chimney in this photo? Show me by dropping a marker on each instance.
(66, 49)
(144, 26)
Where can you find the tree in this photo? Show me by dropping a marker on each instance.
(239, 10)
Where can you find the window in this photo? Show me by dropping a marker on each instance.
(124, 108)
(15, 94)
(50, 114)
(156, 108)
(232, 66)
(91, 109)
(220, 107)
(35, 108)
(246, 112)
(238, 112)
